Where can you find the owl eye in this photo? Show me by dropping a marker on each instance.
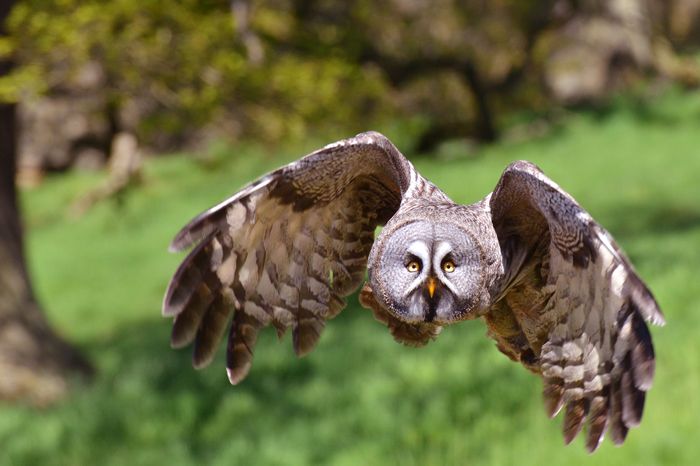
(448, 266)
(413, 266)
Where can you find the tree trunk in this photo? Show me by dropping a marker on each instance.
(35, 363)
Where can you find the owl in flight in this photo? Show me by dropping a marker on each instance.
(556, 292)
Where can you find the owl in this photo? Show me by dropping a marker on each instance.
(556, 293)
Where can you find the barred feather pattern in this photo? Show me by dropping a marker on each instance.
(285, 250)
(573, 308)
(280, 268)
(598, 360)
(558, 294)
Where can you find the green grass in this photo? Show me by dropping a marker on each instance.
(359, 398)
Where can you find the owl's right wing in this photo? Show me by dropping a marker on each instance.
(286, 249)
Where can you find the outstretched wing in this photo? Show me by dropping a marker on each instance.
(572, 307)
(284, 250)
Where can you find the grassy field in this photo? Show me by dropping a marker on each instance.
(359, 398)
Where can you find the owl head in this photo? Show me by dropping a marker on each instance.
(425, 271)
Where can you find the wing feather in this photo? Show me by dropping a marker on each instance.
(589, 331)
(284, 250)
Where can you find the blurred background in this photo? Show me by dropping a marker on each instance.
(122, 119)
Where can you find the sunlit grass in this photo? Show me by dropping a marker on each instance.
(359, 398)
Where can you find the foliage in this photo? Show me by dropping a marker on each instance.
(178, 72)
(359, 398)
(175, 69)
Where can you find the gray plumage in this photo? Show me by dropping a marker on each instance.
(555, 291)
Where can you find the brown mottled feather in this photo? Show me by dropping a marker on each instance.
(553, 395)
(576, 412)
(187, 322)
(597, 420)
(578, 301)
(618, 429)
(562, 298)
(285, 250)
(210, 331)
(239, 352)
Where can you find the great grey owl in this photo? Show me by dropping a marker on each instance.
(555, 291)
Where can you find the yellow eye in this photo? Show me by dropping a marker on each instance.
(413, 266)
(448, 266)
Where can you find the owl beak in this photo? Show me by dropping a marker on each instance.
(432, 283)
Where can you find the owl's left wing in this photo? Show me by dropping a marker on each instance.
(572, 307)
(285, 250)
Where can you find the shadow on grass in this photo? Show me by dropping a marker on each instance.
(359, 387)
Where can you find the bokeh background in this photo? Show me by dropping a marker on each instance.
(132, 116)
